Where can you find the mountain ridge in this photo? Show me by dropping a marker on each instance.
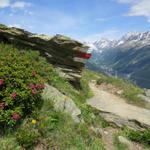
(129, 37)
(128, 57)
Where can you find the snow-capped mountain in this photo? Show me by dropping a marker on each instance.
(132, 39)
(136, 36)
(105, 43)
(129, 56)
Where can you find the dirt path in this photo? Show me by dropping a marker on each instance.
(108, 140)
(113, 104)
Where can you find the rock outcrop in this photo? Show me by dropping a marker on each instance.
(62, 102)
(61, 51)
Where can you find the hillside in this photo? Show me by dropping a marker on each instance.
(41, 110)
(128, 57)
(27, 121)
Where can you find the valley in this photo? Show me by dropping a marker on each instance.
(128, 57)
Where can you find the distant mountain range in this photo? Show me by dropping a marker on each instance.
(128, 57)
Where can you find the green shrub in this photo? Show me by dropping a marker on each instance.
(9, 143)
(92, 117)
(3, 26)
(27, 137)
(138, 136)
(85, 89)
(21, 82)
(100, 81)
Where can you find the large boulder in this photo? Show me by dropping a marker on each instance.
(62, 102)
(63, 52)
(144, 98)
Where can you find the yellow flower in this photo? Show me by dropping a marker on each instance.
(34, 121)
(66, 98)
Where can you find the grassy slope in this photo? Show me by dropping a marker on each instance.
(56, 129)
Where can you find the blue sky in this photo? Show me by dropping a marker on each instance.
(81, 19)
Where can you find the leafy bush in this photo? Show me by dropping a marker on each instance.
(21, 82)
(27, 137)
(9, 142)
(138, 136)
(3, 26)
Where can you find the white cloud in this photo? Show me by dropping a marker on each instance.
(138, 8)
(15, 5)
(15, 25)
(4, 3)
(141, 8)
(20, 4)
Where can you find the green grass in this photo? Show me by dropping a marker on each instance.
(8, 142)
(3, 26)
(137, 136)
(92, 117)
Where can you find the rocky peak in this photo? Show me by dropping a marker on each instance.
(136, 36)
(131, 39)
(104, 43)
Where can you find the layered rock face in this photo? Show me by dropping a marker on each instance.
(66, 54)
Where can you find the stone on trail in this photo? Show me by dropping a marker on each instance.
(144, 98)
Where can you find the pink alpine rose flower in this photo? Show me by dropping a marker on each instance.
(2, 105)
(1, 82)
(34, 91)
(38, 86)
(32, 86)
(16, 116)
(14, 95)
(33, 73)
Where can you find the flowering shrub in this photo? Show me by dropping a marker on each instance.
(22, 78)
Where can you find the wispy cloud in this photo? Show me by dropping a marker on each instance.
(46, 22)
(14, 5)
(15, 25)
(4, 3)
(20, 4)
(138, 8)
